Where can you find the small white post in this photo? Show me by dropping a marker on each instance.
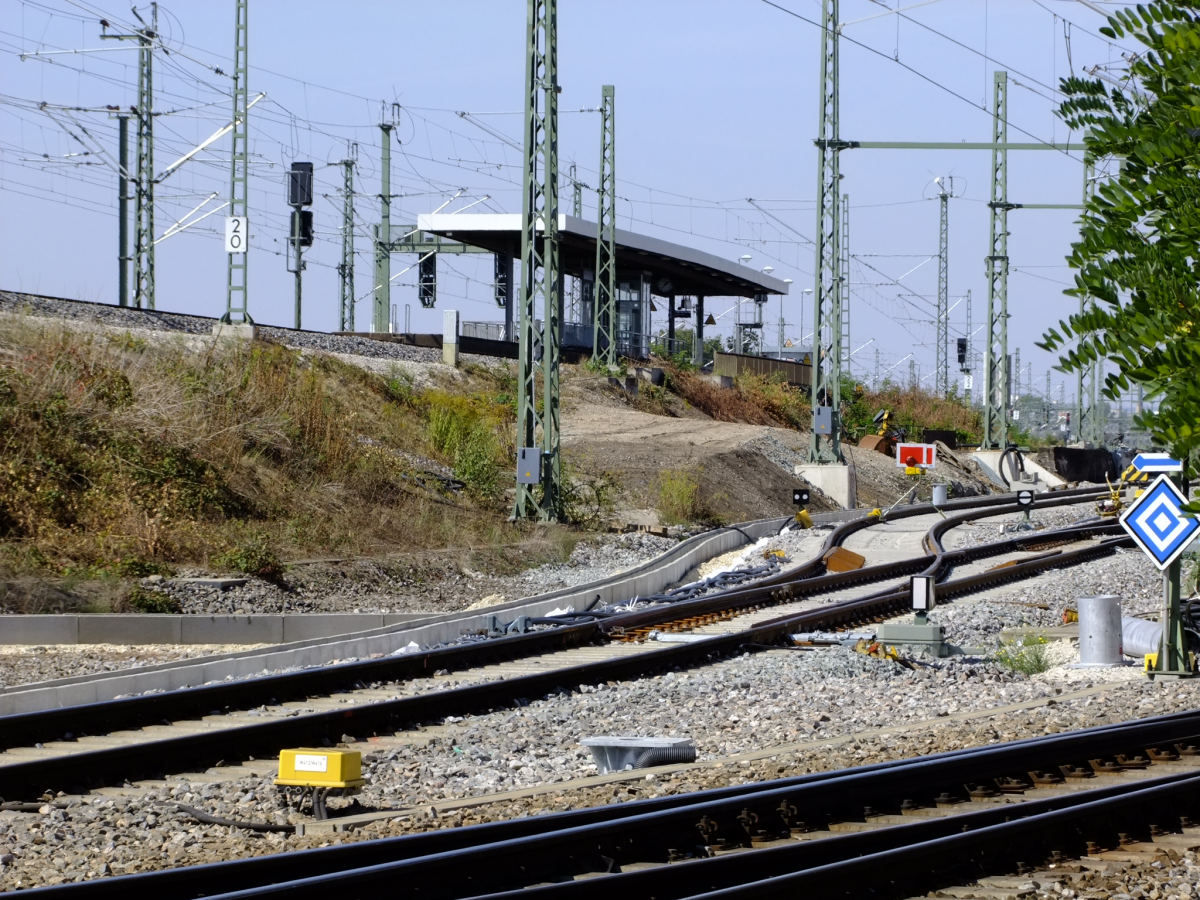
(450, 337)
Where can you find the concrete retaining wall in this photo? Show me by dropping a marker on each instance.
(181, 629)
(648, 578)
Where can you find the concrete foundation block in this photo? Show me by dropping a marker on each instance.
(242, 331)
(835, 481)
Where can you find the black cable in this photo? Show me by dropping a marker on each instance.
(201, 816)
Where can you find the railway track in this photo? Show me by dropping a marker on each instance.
(893, 829)
(129, 739)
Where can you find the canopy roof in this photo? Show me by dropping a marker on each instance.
(673, 269)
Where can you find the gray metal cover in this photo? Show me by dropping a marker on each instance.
(823, 420)
(529, 465)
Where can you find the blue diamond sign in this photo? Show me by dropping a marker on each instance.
(1157, 524)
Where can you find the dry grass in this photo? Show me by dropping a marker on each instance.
(912, 409)
(722, 404)
(124, 457)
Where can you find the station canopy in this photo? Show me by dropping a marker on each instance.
(671, 270)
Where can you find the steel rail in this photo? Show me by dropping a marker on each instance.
(905, 860)
(263, 739)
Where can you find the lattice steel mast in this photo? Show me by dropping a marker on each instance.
(826, 363)
(604, 314)
(237, 298)
(844, 305)
(381, 296)
(942, 378)
(995, 356)
(346, 267)
(143, 182)
(540, 279)
(1087, 379)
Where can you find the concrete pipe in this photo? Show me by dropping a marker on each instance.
(1099, 631)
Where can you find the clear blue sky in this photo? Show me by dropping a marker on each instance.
(716, 103)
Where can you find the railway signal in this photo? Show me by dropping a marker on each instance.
(915, 457)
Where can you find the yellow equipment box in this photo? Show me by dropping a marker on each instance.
(1150, 663)
(307, 767)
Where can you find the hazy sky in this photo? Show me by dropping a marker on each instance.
(715, 104)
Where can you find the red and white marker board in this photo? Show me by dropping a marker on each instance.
(916, 456)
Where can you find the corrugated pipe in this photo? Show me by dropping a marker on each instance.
(662, 756)
(1139, 637)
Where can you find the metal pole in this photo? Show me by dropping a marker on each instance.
(826, 362)
(942, 378)
(123, 211)
(698, 350)
(970, 350)
(604, 345)
(382, 295)
(299, 262)
(346, 269)
(237, 299)
(539, 267)
(995, 386)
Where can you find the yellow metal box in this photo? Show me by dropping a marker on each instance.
(308, 767)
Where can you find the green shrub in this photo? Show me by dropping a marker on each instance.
(678, 497)
(475, 461)
(252, 556)
(144, 601)
(1026, 655)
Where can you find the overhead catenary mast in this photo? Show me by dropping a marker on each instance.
(237, 296)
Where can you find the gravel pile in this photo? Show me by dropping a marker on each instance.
(744, 703)
(32, 664)
(440, 583)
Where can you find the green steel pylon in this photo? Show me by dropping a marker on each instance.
(604, 345)
(346, 267)
(827, 296)
(540, 279)
(995, 353)
(381, 296)
(237, 296)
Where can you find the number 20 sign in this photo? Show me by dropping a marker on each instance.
(237, 233)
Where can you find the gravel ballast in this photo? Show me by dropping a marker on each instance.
(810, 710)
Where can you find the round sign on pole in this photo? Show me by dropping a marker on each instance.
(1025, 498)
